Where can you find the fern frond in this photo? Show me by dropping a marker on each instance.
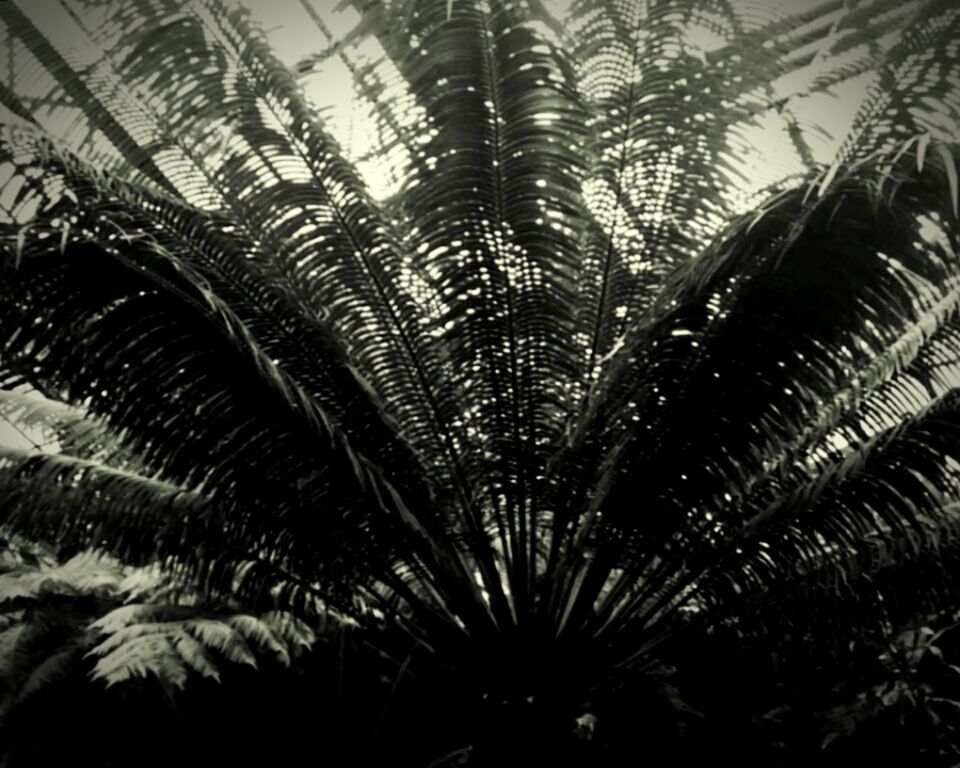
(259, 632)
(633, 360)
(146, 655)
(903, 287)
(295, 632)
(225, 638)
(18, 27)
(45, 674)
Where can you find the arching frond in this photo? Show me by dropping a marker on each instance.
(97, 120)
(781, 308)
(645, 343)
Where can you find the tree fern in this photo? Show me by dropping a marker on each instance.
(603, 382)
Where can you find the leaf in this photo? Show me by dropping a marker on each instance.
(829, 739)
(149, 654)
(294, 631)
(922, 145)
(54, 667)
(21, 241)
(260, 632)
(828, 178)
(195, 656)
(950, 168)
(224, 638)
(125, 616)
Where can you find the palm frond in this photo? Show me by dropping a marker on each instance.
(914, 89)
(73, 502)
(498, 237)
(62, 426)
(603, 381)
(661, 74)
(783, 307)
(100, 120)
(887, 519)
(105, 321)
(235, 270)
(267, 160)
(663, 163)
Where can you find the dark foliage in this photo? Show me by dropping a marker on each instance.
(593, 448)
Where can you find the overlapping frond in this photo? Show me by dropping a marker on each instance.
(60, 427)
(690, 475)
(678, 91)
(493, 206)
(77, 616)
(871, 551)
(92, 126)
(72, 503)
(98, 302)
(914, 89)
(668, 171)
(237, 134)
(237, 273)
(605, 369)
